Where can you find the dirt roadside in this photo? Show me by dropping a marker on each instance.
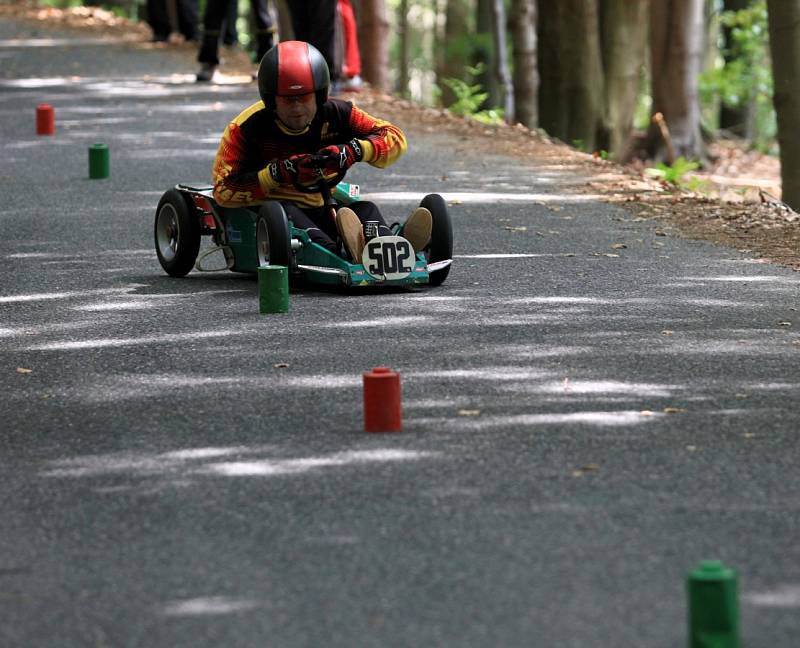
(748, 219)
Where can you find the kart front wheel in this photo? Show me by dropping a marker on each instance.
(177, 233)
(441, 245)
(273, 245)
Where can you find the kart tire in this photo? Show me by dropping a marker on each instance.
(273, 243)
(441, 246)
(177, 233)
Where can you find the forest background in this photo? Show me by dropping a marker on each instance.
(701, 97)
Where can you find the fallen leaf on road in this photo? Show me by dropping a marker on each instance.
(619, 246)
(588, 468)
(667, 332)
(281, 365)
(23, 370)
(646, 413)
(741, 395)
(749, 435)
(691, 448)
(784, 323)
(673, 410)
(469, 412)
(511, 228)
(660, 233)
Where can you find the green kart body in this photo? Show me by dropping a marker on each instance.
(242, 240)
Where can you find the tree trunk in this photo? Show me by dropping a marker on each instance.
(485, 53)
(405, 43)
(548, 26)
(583, 73)
(676, 53)
(457, 52)
(526, 76)
(735, 119)
(623, 36)
(501, 60)
(374, 40)
(784, 38)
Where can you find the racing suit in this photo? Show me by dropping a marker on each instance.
(256, 137)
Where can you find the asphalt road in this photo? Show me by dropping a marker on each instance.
(584, 422)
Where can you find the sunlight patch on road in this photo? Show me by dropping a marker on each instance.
(482, 373)
(275, 467)
(105, 343)
(68, 294)
(212, 605)
(783, 596)
(482, 197)
(599, 419)
(596, 387)
(191, 462)
(383, 322)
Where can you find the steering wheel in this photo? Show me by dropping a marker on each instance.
(323, 185)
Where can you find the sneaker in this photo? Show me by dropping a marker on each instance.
(418, 228)
(351, 232)
(206, 73)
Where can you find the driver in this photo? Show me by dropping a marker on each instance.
(265, 151)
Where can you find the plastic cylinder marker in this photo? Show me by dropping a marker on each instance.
(45, 119)
(382, 408)
(273, 289)
(713, 606)
(99, 162)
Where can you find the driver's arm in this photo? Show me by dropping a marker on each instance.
(235, 185)
(383, 142)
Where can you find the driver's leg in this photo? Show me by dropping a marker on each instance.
(310, 221)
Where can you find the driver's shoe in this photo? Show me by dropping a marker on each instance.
(417, 229)
(351, 232)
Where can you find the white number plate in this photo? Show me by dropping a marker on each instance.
(388, 257)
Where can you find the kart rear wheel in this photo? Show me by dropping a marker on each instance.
(177, 233)
(273, 245)
(441, 246)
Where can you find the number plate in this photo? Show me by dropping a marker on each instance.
(388, 257)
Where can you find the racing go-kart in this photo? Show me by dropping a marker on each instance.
(248, 239)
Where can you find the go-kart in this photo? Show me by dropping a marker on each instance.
(248, 239)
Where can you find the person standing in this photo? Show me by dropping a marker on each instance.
(314, 21)
(158, 17)
(213, 17)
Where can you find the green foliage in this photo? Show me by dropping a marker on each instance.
(675, 173)
(470, 97)
(745, 81)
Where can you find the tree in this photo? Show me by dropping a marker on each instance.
(374, 41)
(571, 95)
(457, 46)
(677, 29)
(526, 77)
(501, 61)
(623, 37)
(784, 37)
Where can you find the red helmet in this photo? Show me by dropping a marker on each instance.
(293, 68)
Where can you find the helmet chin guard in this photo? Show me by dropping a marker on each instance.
(293, 68)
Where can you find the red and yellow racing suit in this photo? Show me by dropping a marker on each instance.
(255, 138)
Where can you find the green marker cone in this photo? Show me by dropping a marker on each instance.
(713, 606)
(99, 164)
(273, 289)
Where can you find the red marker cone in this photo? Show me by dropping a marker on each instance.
(382, 411)
(45, 119)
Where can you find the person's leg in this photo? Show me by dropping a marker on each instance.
(262, 19)
(187, 19)
(368, 211)
(212, 23)
(230, 35)
(313, 221)
(158, 19)
(314, 21)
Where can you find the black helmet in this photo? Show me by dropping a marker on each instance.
(293, 68)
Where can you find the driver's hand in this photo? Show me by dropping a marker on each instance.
(294, 170)
(340, 157)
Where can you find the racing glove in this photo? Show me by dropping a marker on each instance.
(342, 156)
(296, 169)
